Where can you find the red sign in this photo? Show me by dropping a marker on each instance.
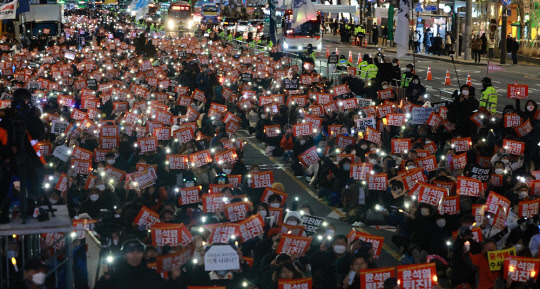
(271, 191)
(304, 283)
(189, 195)
(146, 217)
(302, 129)
(411, 177)
(200, 159)
(376, 241)
(459, 162)
(227, 156)
(418, 276)
(517, 91)
(170, 234)
(262, 179)
(310, 156)
(428, 163)
(212, 202)
(272, 130)
(360, 171)
(469, 187)
(512, 120)
(81, 154)
(401, 145)
(178, 162)
(521, 269)
(495, 200)
(461, 144)
(251, 227)
(165, 263)
(223, 233)
(514, 147)
(395, 119)
(293, 245)
(377, 182)
(450, 205)
(374, 278)
(341, 89)
(236, 211)
(148, 144)
(524, 129)
(528, 209)
(82, 167)
(430, 194)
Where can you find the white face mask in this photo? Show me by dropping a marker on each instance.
(292, 223)
(428, 142)
(424, 212)
(499, 171)
(373, 161)
(39, 278)
(385, 86)
(189, 184)
(523, 195)
(302, 142)
(53, 201)
(441, 223)
(530, 107)
(274, 205)
(227, 171)
(101, 169)
(263, 116)
(110, 162)
(364, 147)
(410, 167)
(94, 197)
(101, 187)
(465, 92)
(262, 213)
(339, 249)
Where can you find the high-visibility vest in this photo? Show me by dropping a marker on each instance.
(362, 69)
(488, 100)
(270, 44)
(371, 71)
(405, 81)
(313, 55)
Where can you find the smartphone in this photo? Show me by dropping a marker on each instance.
(351, 277)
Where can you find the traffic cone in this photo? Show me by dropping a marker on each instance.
(447, 78)
(365, 41)
(350, 57)
(327, 52)
(359, 57)
(469, 82)
(337, 51)
(429, 77)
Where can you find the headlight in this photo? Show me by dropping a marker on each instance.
(285, 45)
(300, 47)
(170, 24)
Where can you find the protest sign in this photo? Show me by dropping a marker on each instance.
(221, 257)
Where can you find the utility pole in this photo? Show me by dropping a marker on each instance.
(468, 30)
(503, 35)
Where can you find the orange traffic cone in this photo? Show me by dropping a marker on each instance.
(447, 78)
(429, 77)
(337, 51)
(350, 57)
(365, 41)
(327, 52)
(359, 57)
(469, 81)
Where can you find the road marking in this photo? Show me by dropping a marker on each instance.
(336, 211)
(495, 81)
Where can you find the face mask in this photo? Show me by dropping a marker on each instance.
(394, 64)
(292, 223)
(411, 167)
(499, 171)
(519, 247)
(347, 167)
(101, 170)
(189, 184)
(302, 142)
(262, 213)
(330, 233)
(53, 201)
(505, 161)
(263, 116)
(100, 187)
(110, 162)
(424, 212)
(11, 254)
(373, 161)
(338, 249)
(274, 205)
(39, 278)
(94, 197)
(415, 82)
(523, 195)
(227, 171)
(408, 69)
(385, 86)
(530, 107)
(441, 223)
(465, 92)
(364, 147)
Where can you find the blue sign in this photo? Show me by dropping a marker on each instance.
(506, 2)
(418, 8)
(430, 8)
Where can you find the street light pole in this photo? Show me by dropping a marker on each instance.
(503, 35)
(468, 30)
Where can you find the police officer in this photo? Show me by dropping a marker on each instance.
(488, 99)
(407, 76)
(371, 69)
(362, 66)
(132, 272)
(343, 63)
(360, 33)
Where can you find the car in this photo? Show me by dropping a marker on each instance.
(242, 26)
(229, 23)
(256, 26)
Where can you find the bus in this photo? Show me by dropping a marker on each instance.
(210, 14)
(299, 38)
(178, 14)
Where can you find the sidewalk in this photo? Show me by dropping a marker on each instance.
(523, 60)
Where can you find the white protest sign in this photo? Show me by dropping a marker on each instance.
(58, 127)
(420, 115)
(363, 123)
(221, 257)
(61, 152)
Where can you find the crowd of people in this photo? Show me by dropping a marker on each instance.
(141, 135)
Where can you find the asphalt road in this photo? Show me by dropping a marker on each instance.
(522, 73)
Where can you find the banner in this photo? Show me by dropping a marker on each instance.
(236, 211)
(262, 179)
(293, 245)
(469, 187)
(221, 257)
(374, 278)
(223, 233)
(189, 195)
(146, 217)
(496, 258)
(311, 224)
(251, 227)
(528, 209)
(165, 263)
(401, 36)
(309, 156)
(521, 269)
(417, 276)
(304, 283)
(376, 241)
(8, 10)
(170, 234)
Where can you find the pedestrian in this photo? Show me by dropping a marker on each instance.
(384, 35)
(509, 42)
(375, 35)
(416, 41)
(428, 35)
(448, 43)
(514, 50)
(476, 47)
(484, 44)
(491, 47)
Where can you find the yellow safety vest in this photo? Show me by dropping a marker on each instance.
(488, 100)
(405, 81)
(371, 70)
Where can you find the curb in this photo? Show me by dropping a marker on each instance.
(440, 59)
